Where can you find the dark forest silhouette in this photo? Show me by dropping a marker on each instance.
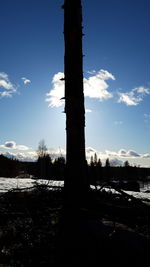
(9, 167)
(54, 169)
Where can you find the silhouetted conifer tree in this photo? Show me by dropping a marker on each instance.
(95, 159)
(107, 169)
(126, 163)
(91, 160)
(99, 163)
(107, 164)
(99, 171)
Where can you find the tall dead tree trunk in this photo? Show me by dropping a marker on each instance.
(75, 178)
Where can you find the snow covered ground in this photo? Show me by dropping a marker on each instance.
(7, 184)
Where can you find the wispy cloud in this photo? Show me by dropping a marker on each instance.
(90, 151)
(146, 156)
(147, 119)
(114, 160)
(55, 153)
(122, 153)
(118, 122)
(28, 156)
(8, 89)
(134, 97)
(95, 87)
(13, 145)
(3, 75)
(147, 116)
(129, 99)
(117, 158)
(25, 80)
(91, 72)
(5, 84)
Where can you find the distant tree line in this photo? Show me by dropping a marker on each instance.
(98, 173)
(43, 168)
(9, 167)
(54, 169)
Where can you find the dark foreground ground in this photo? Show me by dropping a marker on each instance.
(36, 230)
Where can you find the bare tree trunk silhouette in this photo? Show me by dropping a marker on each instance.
(75, 178)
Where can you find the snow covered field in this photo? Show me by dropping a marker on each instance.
(7, 184)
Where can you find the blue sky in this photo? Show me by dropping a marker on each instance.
(116, 78)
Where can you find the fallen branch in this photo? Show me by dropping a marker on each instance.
(17, 190)
(124, 194)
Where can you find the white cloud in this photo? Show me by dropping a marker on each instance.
(116, 158)
(142, 90)
(6, 94)
(116, 162)
(57, 92)
(4, 76)
(122, 153)
(132, 153)
(129, 99)
(6, 86)
(13, 145)
(118, 122)
(94, 87)
(29, 156)
(22, 147)
(110, 153)
(91, 71)
(55, 153)
(134, 97)
(105, 75)
(88, 110)
(146, 156)
(9, 144)
(90, 151)
(25, 80)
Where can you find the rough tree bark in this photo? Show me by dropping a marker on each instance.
(75, 178)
